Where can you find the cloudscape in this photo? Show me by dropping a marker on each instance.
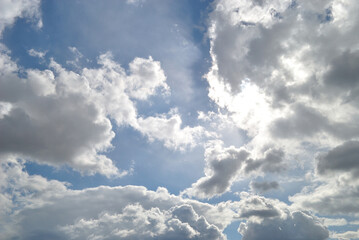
(191, 119)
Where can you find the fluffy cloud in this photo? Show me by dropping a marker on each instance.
(272, 72)
(268, 218)
(34, 207)
(296, 225)
(336, 191)
(56, 116)
(180, 222)
(225, 165)
(167, 128)
(11, 10)
(38, 208)
(284, 72)
(48, 123)
(222, 168)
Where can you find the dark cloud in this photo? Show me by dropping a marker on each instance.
(305, 121)
(261, 213)
(272, 162)
(264, 186)
(344, 71)
(343, 158)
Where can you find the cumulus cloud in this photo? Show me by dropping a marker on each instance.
(272, 57)
(269, 218)
(35, 207)
(273, 161)
(284, 72)
(180, 222)
(57, 116)
(296, 225)
(167, 128)
(336, 191)
(50, 125)
(225, 165)
(222, 167)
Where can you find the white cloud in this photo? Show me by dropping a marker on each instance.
(35, 207)
(346, 235)
(268, 218)
(32, 52)
(334, 221)
(10, 10)
(57, 116)
(135, 222)
(169, 130)
(285, 73)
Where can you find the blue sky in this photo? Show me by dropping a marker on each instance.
(161, 119)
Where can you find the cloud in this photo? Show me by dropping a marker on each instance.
(225, 165)
(180, 222)
(35, 208)
(167, 128)
(52, 126)
(284, 73)
(273, 161)
(334, 221)
(56, 116)
(268, 218)
(271, 70)
(222, 167)
(32, 52)
(297, 225)
(336, 191)
(346, 235)
(11, 10)
(264, 186)
(343, 158)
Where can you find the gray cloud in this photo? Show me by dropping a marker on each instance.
(339, 190)
(222, 167)
(305, 121)
(273, 161)
(338, 195)
(271, 219)
(296, 226)
(344, 71)
(264, 186)
(343, 158)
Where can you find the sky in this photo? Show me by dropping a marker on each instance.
(191, 119)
